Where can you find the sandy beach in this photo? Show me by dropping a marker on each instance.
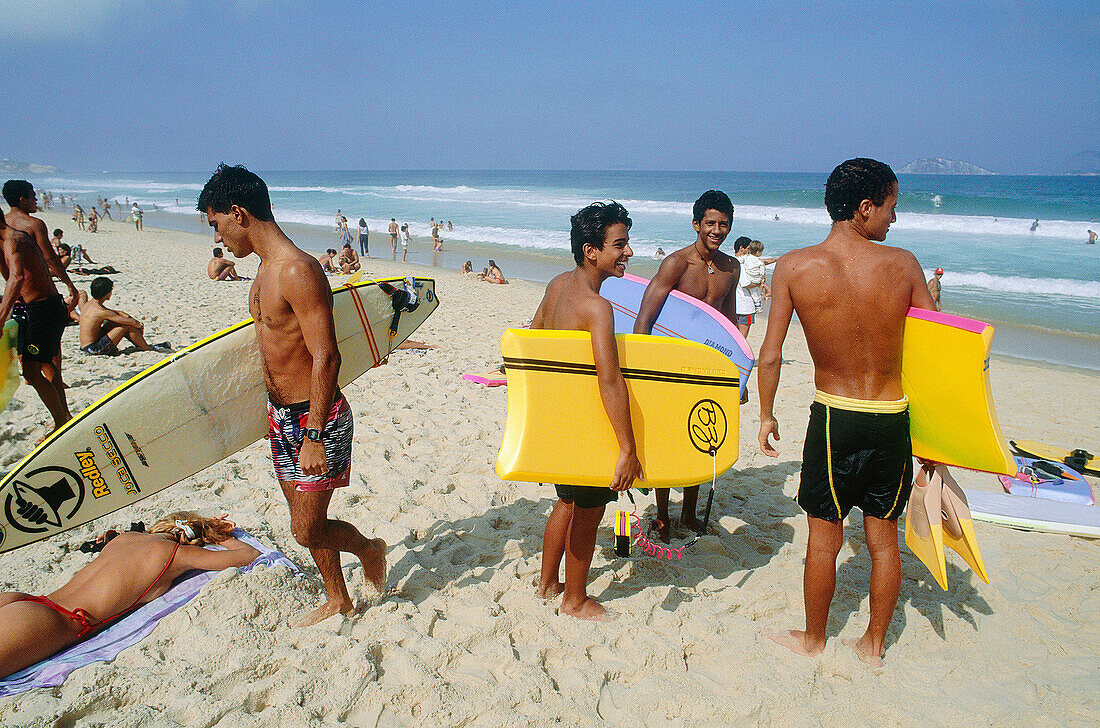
(460, 637)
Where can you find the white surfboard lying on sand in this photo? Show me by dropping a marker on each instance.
(187, 412)
(1034, 514)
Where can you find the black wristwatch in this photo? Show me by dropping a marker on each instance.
(312, 433)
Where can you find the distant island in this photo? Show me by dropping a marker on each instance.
(9, 167)
(939, 165)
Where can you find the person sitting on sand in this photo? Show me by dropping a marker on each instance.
(132, 569)
(600, 241)
(468, 267)
(220, 269)
(93, 220)
(326, 261)
(55, 241)
(851, 295)
(493, 274)
(64, 254)
(349, 260)
(102, 328)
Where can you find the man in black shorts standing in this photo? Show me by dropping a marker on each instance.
(599, 238)
(21, 196)
(42, 317)
(851, 295)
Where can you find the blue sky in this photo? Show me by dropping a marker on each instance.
(180, 85)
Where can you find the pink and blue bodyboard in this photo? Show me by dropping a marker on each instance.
(681, 317)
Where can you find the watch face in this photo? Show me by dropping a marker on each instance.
(312, 434)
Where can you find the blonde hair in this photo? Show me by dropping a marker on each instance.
(206, 530)
(756, 247)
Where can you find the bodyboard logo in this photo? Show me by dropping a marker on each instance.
(707, 426)
(43, 498)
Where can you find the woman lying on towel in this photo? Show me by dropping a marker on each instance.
(132, 569)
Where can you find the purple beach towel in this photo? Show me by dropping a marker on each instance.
(131, 629)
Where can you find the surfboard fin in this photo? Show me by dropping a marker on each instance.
(937, 517)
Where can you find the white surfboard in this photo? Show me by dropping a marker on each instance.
(183, 414)
(1034, 514)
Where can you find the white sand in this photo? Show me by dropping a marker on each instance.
(461, 638)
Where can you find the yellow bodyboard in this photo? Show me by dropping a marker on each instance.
(9, 363)
(683, 408)
(945, 375)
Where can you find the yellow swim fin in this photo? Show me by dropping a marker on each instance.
(924, 525)
(958, 528)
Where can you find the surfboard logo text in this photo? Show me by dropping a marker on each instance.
(707, 426)
(90, 470)
(123, 472)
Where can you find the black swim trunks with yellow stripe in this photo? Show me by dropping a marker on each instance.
(857, 453)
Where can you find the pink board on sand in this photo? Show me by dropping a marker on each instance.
(682, 317)
(493, 378)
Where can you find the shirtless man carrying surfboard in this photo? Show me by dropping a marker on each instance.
(600, 239)
(851, 296)
(310, 421)
(704, 272)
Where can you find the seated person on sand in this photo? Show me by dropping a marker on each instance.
(102, 328)
(220, 269)
(494, 274)
(326, 261)
(468, 267)
(132, 569)
(348, 260)
(93, 220)
(64, 254)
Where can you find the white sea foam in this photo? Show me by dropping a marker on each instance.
(1058, 287)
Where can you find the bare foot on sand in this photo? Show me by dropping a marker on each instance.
(864, 651)
(374, 564)
(551, 590)
(325, 611)
(589, 609)
(663, 529)
(797, 641)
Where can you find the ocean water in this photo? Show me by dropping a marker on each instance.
(1044, 285)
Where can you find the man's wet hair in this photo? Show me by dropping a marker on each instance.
(16, 189)
(741, 242)
(712, 200)
(217, 252)
(854, 181)
(101, 287)
(590, 224)
(230, 186)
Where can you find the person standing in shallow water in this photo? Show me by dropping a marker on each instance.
(851, 295)
(310, 420)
